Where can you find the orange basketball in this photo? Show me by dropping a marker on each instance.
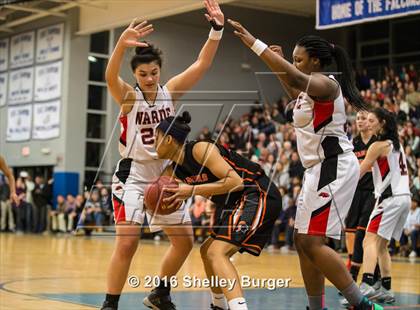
(154, 195)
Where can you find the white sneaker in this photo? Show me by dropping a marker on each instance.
(377, 285)
(412, 254)
(385, 296)
(368, 291)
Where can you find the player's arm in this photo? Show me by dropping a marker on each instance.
(184, 81)
(293, 93)
(11, 179)
(208, 155)
(316, 85)
(376, 150)
(120, 90)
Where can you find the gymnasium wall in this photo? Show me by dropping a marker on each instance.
(180, 38)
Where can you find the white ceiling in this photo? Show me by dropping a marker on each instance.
(97, 15)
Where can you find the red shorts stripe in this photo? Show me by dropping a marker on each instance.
(319, 220)
(119, 209)
(374, 224)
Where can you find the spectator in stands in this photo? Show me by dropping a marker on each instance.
(20, 207)
(106, 206)
(412, 227)
(57, 216)
(69, 210)
(40, 195)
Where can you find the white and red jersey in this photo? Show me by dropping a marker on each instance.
(320, 128)
(138, 126)
(390, 174)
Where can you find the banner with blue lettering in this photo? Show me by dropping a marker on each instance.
(46, 120)
(338, 13)
(19, 120)
(49, 44)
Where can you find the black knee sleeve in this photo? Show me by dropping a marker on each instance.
(358, 246)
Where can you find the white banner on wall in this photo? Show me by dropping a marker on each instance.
(19, 123)
(21, 85)
(3, 88)
(22, 49)
(46, 120)
(49, 45)
(48, 81)
(4, 54)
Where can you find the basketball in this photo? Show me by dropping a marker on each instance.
(154, 195)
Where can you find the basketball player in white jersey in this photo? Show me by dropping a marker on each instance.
(142, 108)
(332, 169)
(392, 191)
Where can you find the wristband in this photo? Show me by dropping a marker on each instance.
(259, 47)
(215, 26)
(215, 34)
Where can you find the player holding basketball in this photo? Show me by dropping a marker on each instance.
(142, 108)
(247, 203)
(390, 177)
(332, 169)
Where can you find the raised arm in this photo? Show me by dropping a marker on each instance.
(120, 90)
(293, 93)
(315, 84)
(184, 81)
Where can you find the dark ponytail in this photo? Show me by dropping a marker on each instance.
(346, 78)
(177, 127)
(389, 127)
(145, 55)
(326, 52)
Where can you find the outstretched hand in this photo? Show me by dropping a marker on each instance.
(134, 32)
(242, 33)
(214, 12)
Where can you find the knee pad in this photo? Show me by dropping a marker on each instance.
(358, 246)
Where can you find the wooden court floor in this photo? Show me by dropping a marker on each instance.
(68, 272)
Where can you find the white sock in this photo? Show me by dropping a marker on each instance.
(238, 304)
(219, 300)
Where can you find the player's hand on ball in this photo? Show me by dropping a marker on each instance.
(179, 194)
(134, 32)
(214, 12)
(242, 33)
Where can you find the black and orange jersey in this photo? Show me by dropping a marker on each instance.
(192, 172)
(360, 150)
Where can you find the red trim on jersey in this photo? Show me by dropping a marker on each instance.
(383, 166)
(123, 137)
(373, 226)
(319, 220)
(323, 111)
(119, 209)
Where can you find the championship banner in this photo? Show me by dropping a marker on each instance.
(22, 49)
(4, 54)
(21, 85)
(3, 88)
(338, 13)
(48, 81)
(46, 120)
(19, 123)
(49, 44)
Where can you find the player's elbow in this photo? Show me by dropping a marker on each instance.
(236, 184)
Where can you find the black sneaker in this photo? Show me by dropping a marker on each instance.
(213, 307)
(159, 299)
(109, 306)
